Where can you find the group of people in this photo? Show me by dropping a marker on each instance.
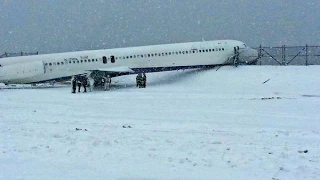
(141, 80)
(81, 80)
(87, 81)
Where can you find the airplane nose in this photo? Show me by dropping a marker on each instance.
(2, 74)
(255, 53)
(249, 55)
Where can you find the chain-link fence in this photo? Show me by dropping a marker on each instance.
(289, 55)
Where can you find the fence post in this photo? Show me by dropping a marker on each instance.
(283, 63)
(260, 54)
(306, 54)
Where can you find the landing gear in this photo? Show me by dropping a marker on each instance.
(52, 83)
(100, 79)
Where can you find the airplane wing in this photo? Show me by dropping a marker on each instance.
(113, 71)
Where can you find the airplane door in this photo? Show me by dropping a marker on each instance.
(45, 66)
(104, 60)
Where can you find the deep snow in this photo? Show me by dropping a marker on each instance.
(193, 124)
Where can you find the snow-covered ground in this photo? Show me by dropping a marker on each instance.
(258, 122)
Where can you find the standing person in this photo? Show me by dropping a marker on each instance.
(74, 84)
(108, 83)
(84, 83)
(91, 82)
(144, 80)
(139, 80)
(79, 83)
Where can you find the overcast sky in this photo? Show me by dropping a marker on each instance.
(50, 26)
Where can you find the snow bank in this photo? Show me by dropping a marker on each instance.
(251, 122)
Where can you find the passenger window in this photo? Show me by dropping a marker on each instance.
(81, 61)
(104, 60)
(58, 63)
(62, 63)
(112, 59)
(222, 49)
(50, 64)
(89, 60)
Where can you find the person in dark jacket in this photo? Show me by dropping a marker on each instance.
(144, 80)
(84, 83)
(139, 80)
(79, 83)
(74, 84)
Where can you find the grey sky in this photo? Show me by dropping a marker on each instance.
(50, 26)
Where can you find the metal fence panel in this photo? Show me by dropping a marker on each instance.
(289, 55)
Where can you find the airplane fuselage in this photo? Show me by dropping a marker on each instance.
(120, 61)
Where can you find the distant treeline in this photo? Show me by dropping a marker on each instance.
(18, 54)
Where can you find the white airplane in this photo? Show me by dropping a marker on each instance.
(109, 63)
